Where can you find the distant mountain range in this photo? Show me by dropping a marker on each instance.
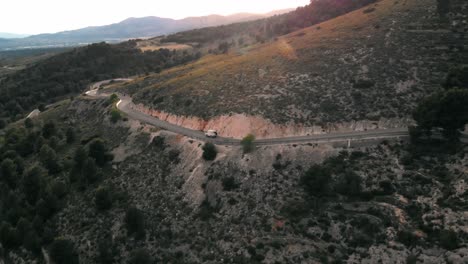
(12, 35)
(127, 29)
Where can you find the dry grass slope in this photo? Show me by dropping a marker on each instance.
(366, 65)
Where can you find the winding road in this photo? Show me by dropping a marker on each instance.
(126, 106)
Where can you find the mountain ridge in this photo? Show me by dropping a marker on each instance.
(129, 28)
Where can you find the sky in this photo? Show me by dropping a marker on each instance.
(49, 16)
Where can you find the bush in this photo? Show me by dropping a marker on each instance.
(316, 180)
(248, 143)
(209, 151)
(103, 199)
(62, 251)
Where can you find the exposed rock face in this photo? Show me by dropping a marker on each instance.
(239, 125)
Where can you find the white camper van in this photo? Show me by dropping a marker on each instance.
(211, 133)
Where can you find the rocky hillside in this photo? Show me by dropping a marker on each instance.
(372, 64)
(161, 202)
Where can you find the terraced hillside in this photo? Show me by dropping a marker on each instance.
(373, 64)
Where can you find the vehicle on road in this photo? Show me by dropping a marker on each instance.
(211, 133)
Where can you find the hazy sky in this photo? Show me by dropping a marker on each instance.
(47, 16)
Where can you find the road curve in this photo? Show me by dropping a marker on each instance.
(126, 106)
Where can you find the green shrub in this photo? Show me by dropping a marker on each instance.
(248, 143)
(209, 151)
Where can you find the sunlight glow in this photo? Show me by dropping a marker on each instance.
(33, 17)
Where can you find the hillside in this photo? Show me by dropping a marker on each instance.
(373, 64)
(128, 29)
(68, 73)
(160, 201)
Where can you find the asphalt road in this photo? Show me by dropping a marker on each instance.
(126, 105)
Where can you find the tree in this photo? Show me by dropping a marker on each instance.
(9, 236)
(113, 99)
(350, 184)
(443, 7)
(28, 123)
(90, 170)
(80, 157)
(98, 151)
(448, 239)
(209, 151)
(316, 180)
(447, 110)
(248, 143)
(229, 183)
(32, 184)
(135, 221)
(115, 116)
(106, 250)
(2, 124)
(223, 47)
(49, 129)
(457, 78)
(62, 251)
(71, 135)
(49, 159)
(140, 256)
(8, 173)
(103, 199)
